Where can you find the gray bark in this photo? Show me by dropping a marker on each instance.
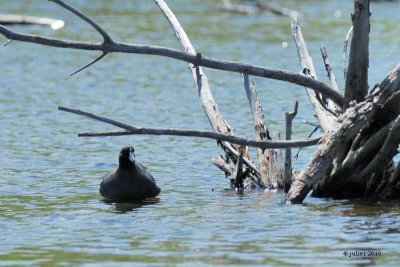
(270, 173)
(357, 72)
(289, 116)
(326, 119)
(351, 122)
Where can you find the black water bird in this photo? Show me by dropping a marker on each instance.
(129, 181)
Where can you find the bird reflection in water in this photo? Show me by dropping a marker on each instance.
(128, 206)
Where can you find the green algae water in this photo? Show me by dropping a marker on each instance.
(50, 211)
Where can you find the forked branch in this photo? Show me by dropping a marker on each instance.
(198, 60)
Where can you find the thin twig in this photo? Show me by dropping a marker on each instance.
(328, 68)
(296, 157)
(131, 130)
(89, 64)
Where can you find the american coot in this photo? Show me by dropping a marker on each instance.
(130, 181)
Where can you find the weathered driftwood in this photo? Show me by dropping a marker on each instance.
(8, 19)
(324, 110)
(357, 71)
(271, 177)
(131, 130)
(289, 116)
(317, 173)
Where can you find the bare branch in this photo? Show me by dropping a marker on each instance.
(197, 60)
(322, 110)
(107, 38)
(289, 116)
(266, 144)
(131, 130)
(89, 64)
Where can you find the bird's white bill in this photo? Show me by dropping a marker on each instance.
(132, 156)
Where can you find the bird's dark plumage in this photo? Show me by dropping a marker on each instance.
(130, 181)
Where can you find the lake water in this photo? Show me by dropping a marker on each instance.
(50, 211)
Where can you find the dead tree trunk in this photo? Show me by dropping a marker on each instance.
(357, 72)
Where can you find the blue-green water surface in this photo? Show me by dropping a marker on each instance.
(50, 211)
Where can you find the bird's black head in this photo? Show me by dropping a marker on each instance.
(127, 156)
